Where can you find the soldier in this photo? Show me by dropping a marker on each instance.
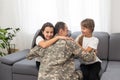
(46, 38)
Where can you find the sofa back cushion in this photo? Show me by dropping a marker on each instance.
(114, 43)
(103, 45)
(34, 38)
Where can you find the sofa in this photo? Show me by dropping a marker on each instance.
(15, 66)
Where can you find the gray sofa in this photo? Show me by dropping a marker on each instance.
(16, 67)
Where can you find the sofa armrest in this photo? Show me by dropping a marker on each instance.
(14, 57)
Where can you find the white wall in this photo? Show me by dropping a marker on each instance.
(115, 16)
(8, 18)
(7, 13)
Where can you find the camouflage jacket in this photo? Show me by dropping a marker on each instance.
(57, 61)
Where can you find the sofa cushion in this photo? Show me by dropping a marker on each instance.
(103, 67)
(112, 72)
(77, 64)
(110, 76)
(11, 59)
(114, 49)
(113, 66)
(103, 46)
(24, 77)
(25, 67)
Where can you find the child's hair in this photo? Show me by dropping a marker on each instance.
(88, 23)
(58, 26)
(80, 40)
(47, 24)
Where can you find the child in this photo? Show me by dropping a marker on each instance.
(46, 38)
(89, 43)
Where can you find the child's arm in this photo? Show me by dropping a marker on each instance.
(47, 43)
(77, 50)
(79, 39)
(80, 46)
(89, 49)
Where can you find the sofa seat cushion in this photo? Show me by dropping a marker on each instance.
(24, 77)
(77, 64)
(113, 66)
(111, 75)
(25, 67)
(103, 66)
(112, 71)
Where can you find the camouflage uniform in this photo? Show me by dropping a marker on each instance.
(57, 62)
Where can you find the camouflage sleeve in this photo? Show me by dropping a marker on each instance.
(35, 52)
(77, 51)
(74, 48)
